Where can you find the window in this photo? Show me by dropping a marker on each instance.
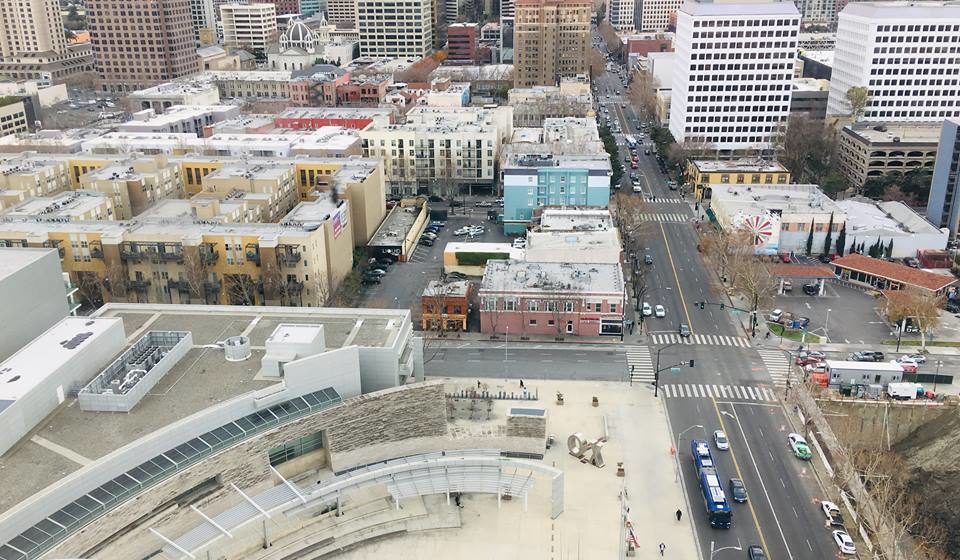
(533, 305)
(613, 308)
(568, 306)
(510, 304)
(489, 304)
(533, 322)
(551, 306)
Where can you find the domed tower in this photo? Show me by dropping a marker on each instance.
(298, 35)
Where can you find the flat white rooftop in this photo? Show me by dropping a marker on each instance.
(12, 260)
(49, 352)
(292, 333)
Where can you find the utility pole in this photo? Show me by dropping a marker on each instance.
(656, 373)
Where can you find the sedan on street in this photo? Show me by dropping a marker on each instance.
(659, 312)
(844, 542)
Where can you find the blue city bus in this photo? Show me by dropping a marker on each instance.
(631, 142)
(714, 499)
(702, 458)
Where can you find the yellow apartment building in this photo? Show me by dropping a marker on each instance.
(701, 174)
(67, 206)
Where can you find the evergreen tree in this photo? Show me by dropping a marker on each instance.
(828, 241)
(890, 249)
(810, 239)
(842, 240)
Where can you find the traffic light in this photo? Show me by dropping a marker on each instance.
(701, 304)
(722, 306)
(691, 362)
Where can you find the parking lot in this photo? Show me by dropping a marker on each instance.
(404, 282)
(839, 312)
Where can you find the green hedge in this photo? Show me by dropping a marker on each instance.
(479, 259)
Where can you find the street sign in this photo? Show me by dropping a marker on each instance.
(674, 370)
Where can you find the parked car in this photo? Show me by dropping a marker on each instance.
(916, 358)
(659, 312)
(377, 271)
(832, 513)
(806, 358)
(811, 289)
(456, 276)
(799, 446)
(911, 262)
(369, 279)
(844, 542)
(784, 258)
(824, 258)
(426, 242)
(776, 315)
(647, 259)
(908, 367)
(866, 356)
(647, 310)
(738, 491)
(787, 286)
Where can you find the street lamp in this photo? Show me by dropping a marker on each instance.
(680, 435)
(712, 551)
(826, 326)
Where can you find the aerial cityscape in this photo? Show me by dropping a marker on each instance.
(473, 279)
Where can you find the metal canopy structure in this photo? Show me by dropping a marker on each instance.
(59, 525)
(479, 471)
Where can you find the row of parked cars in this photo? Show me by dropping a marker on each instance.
(431, 233)
(377, 268)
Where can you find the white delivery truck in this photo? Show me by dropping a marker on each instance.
(904, 391)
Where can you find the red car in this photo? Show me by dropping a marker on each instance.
(809, 358)
(784, 258)
(907, 367)
(633, 165)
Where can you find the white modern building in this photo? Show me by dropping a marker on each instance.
(869, 220)
(33, 295)
(654, 15)
(818, 12)
(440, 149)
(249, 26)
(620, 15)
(943, 206)
(905, 54)
(404, 30)
(738, 58)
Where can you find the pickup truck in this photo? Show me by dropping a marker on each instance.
(832, 513)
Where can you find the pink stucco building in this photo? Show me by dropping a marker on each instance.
(558, 299)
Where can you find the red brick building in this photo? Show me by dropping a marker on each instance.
(365, 91)
(644, 44)
(308, 118)
(462, 42)
(285, 7)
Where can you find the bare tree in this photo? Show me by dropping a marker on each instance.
(807, 148)
(194, 273)
(240, 289)
(596, 63)
(643, 92)
(90, 287)
(610, 38)
(753, 282)
(921, 307)
(117, 281)
(274, 284)
(727, 247)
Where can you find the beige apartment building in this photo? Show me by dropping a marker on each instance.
(135, 184)
(68, 206)
(871, 150)
(140, 44)
(249, 26)
(551, 39)
(13, 116)
(31, 26)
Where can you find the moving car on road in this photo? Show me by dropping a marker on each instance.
(659, 312)
(738, 491)
(683, 330)
(721, 441)
(799, 446)
(647, 310)
(754, 552)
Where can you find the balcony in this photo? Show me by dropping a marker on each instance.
(96, 250)
(294, 287)
(140, 284)
(55, 244)
(253, 253)
(208, 255)
(181, 286)
(132, 252)
(211, 288)
(288, 255)
(168, 252)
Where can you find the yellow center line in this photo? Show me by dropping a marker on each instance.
(676, 277)
(736, 466)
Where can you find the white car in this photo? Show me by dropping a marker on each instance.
(829, 508)
(844, 542)
(720, 439)
(659, 311)
(647, 310)
(915, 359)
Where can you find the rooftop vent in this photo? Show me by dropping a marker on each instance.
(236, 348)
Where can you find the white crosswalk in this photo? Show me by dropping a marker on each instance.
(640, 364)
(663, 199)
(708, 339)
(668, 218)
(777, 363)
(722, 392)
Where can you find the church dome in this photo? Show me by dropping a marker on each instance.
(298, 35)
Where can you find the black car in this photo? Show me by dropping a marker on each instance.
(426, 242)
(647, 259)
(811, 289)
(385, 261)
(738, 491)
(370, 279)
(456, 276)
(754, 552)
(876, 354)
(683, 330)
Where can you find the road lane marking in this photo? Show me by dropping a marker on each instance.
(763, 486)
(736, 466)
(683, 303)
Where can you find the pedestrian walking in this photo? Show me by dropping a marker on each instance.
(663, 548)
(478, 383)
(521, 384)
(679, 514)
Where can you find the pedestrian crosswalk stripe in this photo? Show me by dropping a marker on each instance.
(639, 364)
(665, 200)
(723, 392)
(714, 340)
(777, 363)
(665, 218)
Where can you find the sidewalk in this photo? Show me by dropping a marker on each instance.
(454, 337)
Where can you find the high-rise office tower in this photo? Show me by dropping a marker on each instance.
(404, 31)
(342, 12)
(285, 7)
(312, 7)
(507, 15)
(204, 17)
(551, 38)
(943, 205)
(655, 15)
(139, 44)
(904, 54)
(733, 91)
(31, 27)
(249, 26)
(620, 14)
